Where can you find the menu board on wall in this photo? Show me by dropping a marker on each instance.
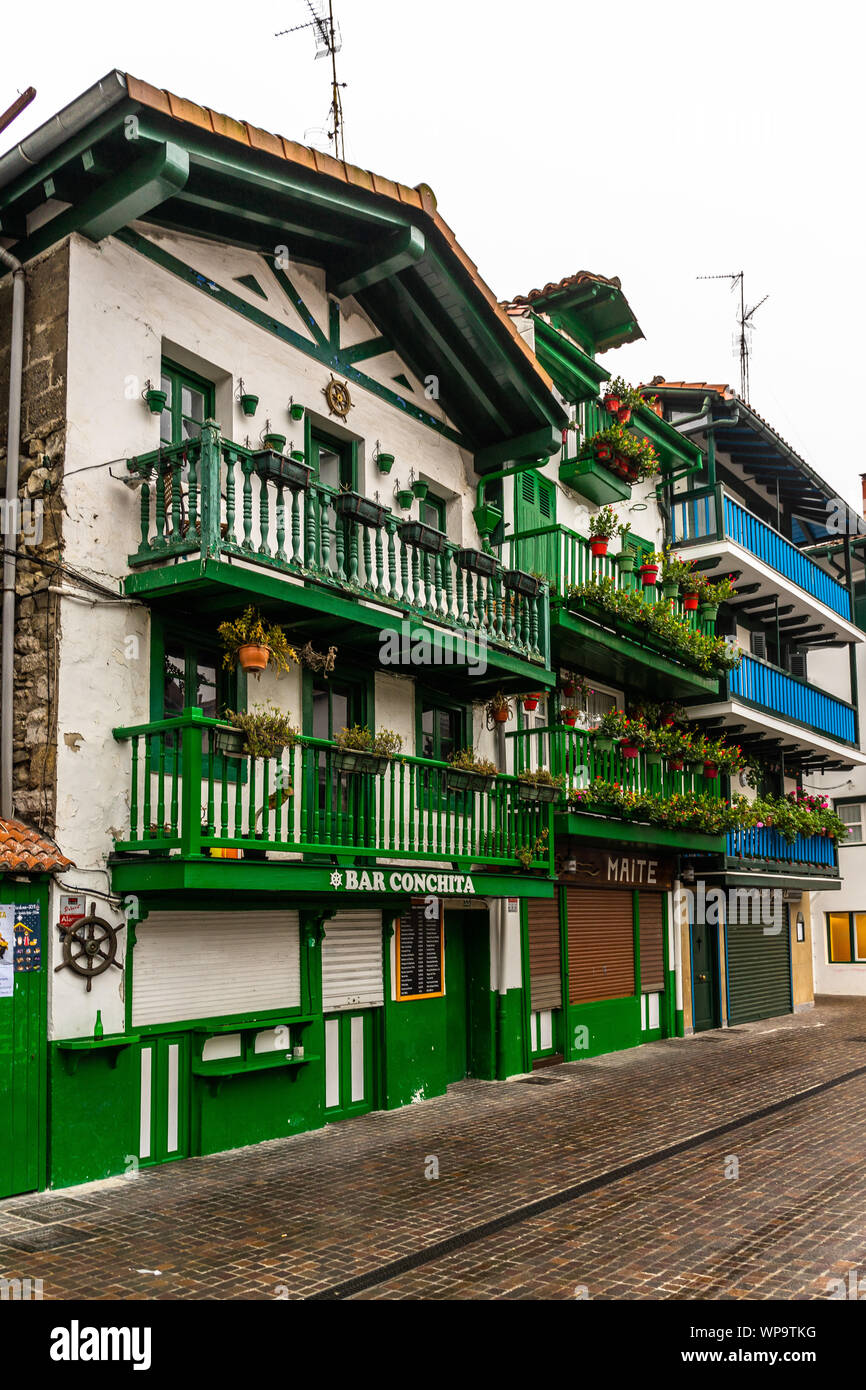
(420, 951)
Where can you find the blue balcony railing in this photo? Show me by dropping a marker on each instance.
(767, 843)
(781, 693)
(711, 514)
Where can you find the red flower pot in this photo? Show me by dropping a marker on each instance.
(649, 574)
(598, 544)
(690, 602)
(629, 750)
(612, 403)
(710, 770)
(676, 764)
(603, 453)
(624, 414)
(567, 689)
(569, 717)
(530, 703)
(669, 719)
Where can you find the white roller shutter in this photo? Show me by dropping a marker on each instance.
(205, 964)
(352, 962)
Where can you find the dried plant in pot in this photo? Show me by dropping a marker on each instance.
(359, 749)
(466, 772)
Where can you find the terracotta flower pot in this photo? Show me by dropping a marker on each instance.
(649, 574)
(500, 716)
(254, 658)
(690, 602)
(598, 544)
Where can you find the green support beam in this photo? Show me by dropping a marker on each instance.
(399, 252)
(538, 446)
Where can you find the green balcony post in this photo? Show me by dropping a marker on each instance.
(210, 488)
(191, 755)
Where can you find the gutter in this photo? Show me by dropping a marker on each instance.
(101, 97)
(13, 446)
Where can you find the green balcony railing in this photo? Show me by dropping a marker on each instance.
(209, 497)
(575, 753)
(186, 798)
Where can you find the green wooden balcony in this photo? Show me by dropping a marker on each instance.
(188, 800)
(209, 509)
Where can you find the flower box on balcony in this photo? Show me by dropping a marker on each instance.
(461, 779)
(276, 468)
(594, 481)
(538, 791)
(425, 537)
(361, 508)
(602, 744)
(522, 583)
(352, 760)
(477, 561)
(229, 742)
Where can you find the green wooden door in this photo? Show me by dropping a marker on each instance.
(535, 508)
(22, 1065)
(456, 997)
(704, 991)
(164, 1099)
(350, 1054)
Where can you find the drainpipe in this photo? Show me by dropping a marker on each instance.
(495, 478)
(13, 445)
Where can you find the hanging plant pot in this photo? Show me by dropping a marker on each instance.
(649, 574)
(500, 716)
(567, 689)
(229, 743)
(277, 442)
(297, 412)
(711, 770)
(405, 498)
(354, 760)
(593, 479)
(670, 590)
(156, 401)
(693, 766)
(626, 562)
(676, 764)
(276, 468)
(385, 462)
(603, 744)
(249, 403)
(611, 403)
(252, 658)
(361, 508)
(522, 583)
(530, 703)
(461, 779)
(477, 561)
(654, 759)
(624, 414)
(690, 601)
(629, 750)
(486, 517)
(425, 537)
(537, 791)
(708, 612)
(569, 717)
(420, 489)
(598, 545)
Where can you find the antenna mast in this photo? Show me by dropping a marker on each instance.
(744, 322)
(328, 44)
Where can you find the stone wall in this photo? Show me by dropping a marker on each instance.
(39, 542)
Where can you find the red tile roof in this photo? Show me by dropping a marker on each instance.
(26, 850)
(582, 277)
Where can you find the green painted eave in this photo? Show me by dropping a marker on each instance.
(592, 312)
(582, 826)
(576, 375)
(306, 882)
(575, 641)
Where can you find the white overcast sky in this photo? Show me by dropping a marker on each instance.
(661, 143)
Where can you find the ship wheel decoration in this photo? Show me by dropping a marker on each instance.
(336, 393)
(90, 947)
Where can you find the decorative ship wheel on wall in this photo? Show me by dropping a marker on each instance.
(90, 947)
(336, 393)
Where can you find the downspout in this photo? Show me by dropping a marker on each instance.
(13, 445)
(495, 478)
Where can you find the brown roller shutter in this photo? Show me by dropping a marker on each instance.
(545, 966)
(652, 946)
(600, 944)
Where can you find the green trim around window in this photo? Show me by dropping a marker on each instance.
(432, 511)
(175, 379)
(316, 439)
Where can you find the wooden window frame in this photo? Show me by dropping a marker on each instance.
(180, 377)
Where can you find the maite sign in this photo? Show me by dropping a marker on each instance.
(402, 881)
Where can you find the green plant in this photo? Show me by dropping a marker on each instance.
(498, 709)
(464, 760)
(694, 648)
(250, 630)
(266, 729)
(629, 398)
(623, 530)
(676, 570)
(603, 525)
(718, 592)
(361, 739)
(526, 854)
(540, 777)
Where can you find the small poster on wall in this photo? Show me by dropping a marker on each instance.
(28, 938)
(420, 951)
(7, 950)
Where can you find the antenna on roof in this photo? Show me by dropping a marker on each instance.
(329, 41)
(744, 321)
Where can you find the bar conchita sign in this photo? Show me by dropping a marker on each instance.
(433, 883)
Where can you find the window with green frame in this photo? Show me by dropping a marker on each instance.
(188, 672)
(189, 402)
(441, 728)
(846, 938)
(333, 461)
(432, 511)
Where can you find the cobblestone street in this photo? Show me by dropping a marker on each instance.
(633, 1183)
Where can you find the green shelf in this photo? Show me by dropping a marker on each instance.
(215, 1073)
(115, 1042)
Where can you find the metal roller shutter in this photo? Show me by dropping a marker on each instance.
(204, 964)
(352, 962)
(600, 944)
(545, 964)
(652, 945)
(759, 970)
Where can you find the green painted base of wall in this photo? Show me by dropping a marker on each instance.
(93, 1115)
(510, 1013)
(416, 1053)
(611, 1026)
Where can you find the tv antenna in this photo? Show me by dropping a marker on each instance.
(329, 41)
(744, 321)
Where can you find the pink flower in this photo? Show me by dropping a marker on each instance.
(759, 825)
